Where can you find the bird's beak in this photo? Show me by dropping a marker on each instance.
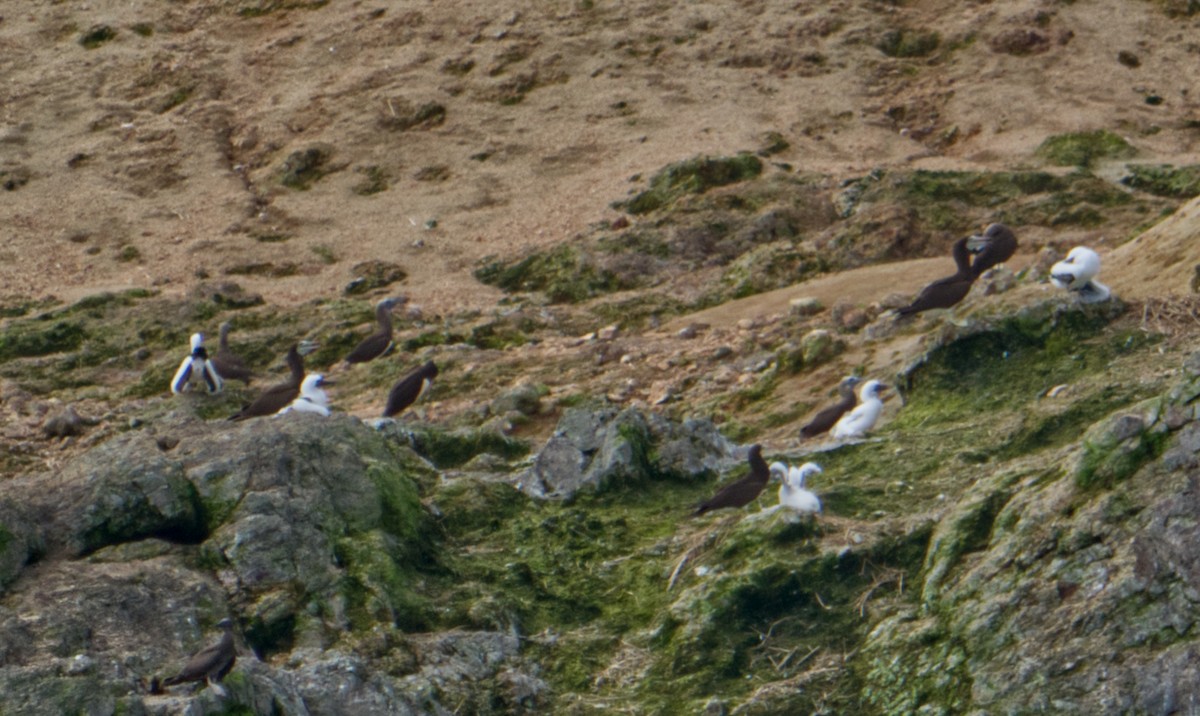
(327, 381)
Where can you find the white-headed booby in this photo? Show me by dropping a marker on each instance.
(1078, 273)
(857, 422)
(197, 370)
(794, 495)
(312, 398)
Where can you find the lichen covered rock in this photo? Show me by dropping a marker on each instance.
(594, 449)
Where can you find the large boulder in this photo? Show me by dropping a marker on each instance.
(20, 542)
(596, 449)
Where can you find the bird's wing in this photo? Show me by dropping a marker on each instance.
(212, 379)
(180, 382)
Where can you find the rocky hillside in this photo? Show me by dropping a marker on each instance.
(635, 238)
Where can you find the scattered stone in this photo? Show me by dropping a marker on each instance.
(226, 294)
(1127, 58)
(805, 306)
(854, 319)
(370, 275)
(1057, 390)
(1019, 41)
(722, 352)
(1040, 268)
(525, 399)
(995, 280)
(818, 346)
(607, 333)
(65, 423)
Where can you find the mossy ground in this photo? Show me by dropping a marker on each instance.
(623, 598)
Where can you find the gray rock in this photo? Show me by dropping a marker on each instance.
(306, 527)
(593, 449)
(20, 541)
(525, 399)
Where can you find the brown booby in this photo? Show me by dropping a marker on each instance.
(1078, 273)
(196, 370)
(211, 663)
(857, 422)
(824, 420)
(277, 397)
(312, 398)
(745, 490)
(229, 365)
(994, 246)
(379, 342)
(410, 388)
(945, 292)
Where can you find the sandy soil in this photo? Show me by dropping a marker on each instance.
(154, 159)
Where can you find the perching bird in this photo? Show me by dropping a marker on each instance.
(409, 389)
(379, 342)
(793, 494)
(857, 422)
(196, 370)
(824, 420)
(211, 663)
(229, 365)
(745, 490)
(1078, 273)
(312, 398)
(994, 246)
(275, 398)
(945, 292)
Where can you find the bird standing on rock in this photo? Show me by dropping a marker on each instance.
(857, 422)
(824, 420)
(196, 370)
(745, 490)
(1078, 273)
(794, 495)
(409, 389)
(312, 398)
(229, 364)
(278, 396)
(210, 664)
(945, 292)
(994, 246)
(379, 342)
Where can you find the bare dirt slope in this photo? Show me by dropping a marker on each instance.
(154, 158)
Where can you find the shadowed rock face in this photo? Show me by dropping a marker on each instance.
(302, 528)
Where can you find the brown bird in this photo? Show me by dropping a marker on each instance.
(278, 396)
(410, 388)
(211, 663)
(824, 420)
(742, 492)
(379, 342)
(229, 365)
(945, 292)
(994, 246)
